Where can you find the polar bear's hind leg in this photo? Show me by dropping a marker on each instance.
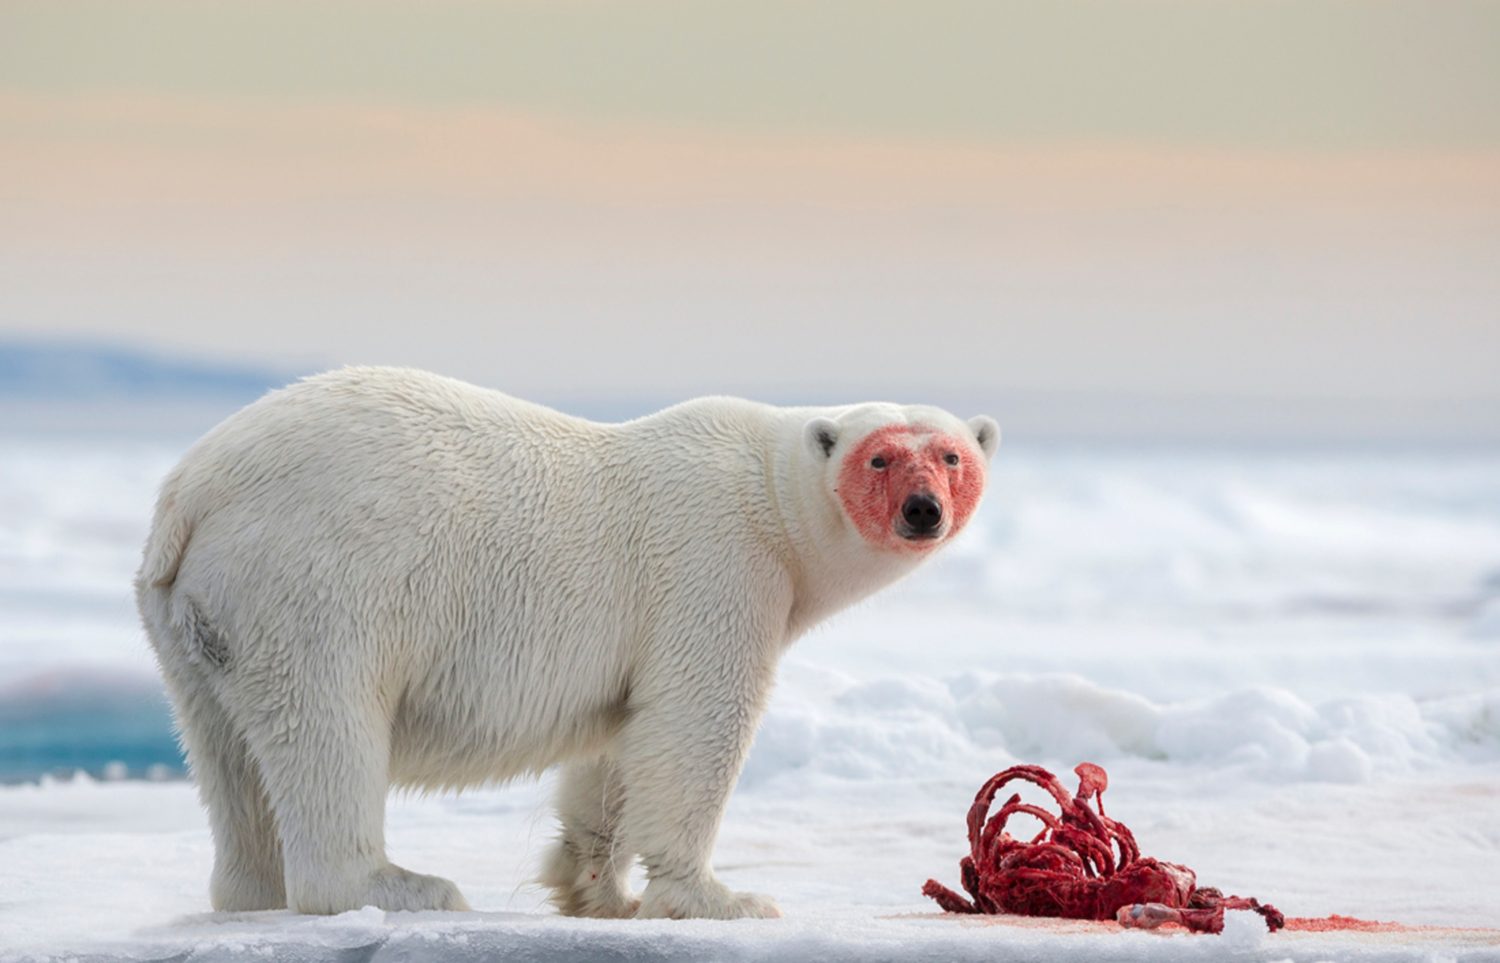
(247, 872)
(325, 763)
(587, 868)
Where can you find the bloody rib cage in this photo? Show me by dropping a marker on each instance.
(1082, 865)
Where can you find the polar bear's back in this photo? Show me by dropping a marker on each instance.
(376, 421)
(376, 462)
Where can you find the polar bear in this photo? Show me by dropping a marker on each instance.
(380, 577)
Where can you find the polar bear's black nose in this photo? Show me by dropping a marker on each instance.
(923, 513)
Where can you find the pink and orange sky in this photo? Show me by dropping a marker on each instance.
(1267, 206)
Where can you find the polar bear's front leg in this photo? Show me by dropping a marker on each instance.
(680, 754)
(587, 867)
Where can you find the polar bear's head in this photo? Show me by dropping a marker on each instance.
(906, 478)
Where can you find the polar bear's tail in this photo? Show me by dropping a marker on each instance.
(170, 532)
(174, 624)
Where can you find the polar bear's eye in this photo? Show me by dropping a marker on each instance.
(951, 458)
(877, 463)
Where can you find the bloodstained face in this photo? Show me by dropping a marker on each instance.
(909, 487)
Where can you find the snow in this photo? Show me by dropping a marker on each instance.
(1286, 660)
(118, 869)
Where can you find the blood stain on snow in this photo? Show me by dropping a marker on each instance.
(1336, 923)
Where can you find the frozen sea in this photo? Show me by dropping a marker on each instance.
(1287, 659)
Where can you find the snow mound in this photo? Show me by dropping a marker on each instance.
(892, 727)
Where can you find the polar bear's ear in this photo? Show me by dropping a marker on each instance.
(987, 432)
(821, 434)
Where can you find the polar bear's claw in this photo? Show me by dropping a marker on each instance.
(757, 907)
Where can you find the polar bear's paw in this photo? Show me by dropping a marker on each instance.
(390, 888)
(586, 887)
(702, 899)
(394, 888)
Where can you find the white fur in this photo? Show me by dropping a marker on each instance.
(382, 577)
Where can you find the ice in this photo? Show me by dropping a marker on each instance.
(1243, 932)
(118, 870)
(1285, 659)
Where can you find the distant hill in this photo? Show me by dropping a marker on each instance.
(63, 371)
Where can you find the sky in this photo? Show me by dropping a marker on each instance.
(1091, 215)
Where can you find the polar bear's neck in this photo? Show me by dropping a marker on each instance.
(784, 503)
